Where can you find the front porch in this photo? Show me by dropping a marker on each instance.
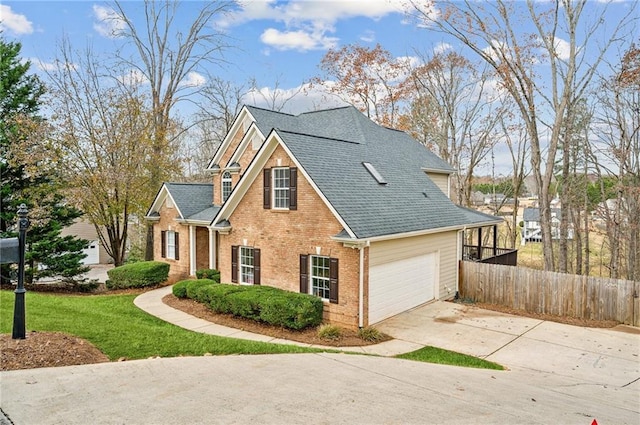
(481, 245)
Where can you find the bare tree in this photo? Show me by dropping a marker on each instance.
(492, 31)
(104, 139)
(453, 99)
(169, 60)
(370, 79)
(618, 157)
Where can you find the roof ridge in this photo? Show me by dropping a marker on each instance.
(269, 110)
(190, 183)
(316, 136)
(335, 108)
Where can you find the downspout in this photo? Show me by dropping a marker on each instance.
(361, 286)
(361, 290)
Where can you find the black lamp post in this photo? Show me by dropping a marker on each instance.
(19, 328)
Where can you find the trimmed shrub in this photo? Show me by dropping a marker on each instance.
(138, 275)
(218, 297)
(180, 288)
(194, 286)
(245, 303)
(330, 332)
(291, 310)
(212, 274)
(271, 305)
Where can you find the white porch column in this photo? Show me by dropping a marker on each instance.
(212, 248)
(192, 250)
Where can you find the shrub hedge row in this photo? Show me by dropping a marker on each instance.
(212, 274)
(271, 305)
(138, 275)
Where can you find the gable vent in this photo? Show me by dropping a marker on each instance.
(376, 175)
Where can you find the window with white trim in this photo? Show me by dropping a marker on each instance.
(281, 188)
(226, 185)
(169, 242)
(319, 276)
(246, 265)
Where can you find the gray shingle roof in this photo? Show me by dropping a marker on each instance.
(533, 214)
(194, 200)
(332, 148)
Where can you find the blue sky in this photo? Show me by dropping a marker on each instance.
(281, 41)
(274, 41)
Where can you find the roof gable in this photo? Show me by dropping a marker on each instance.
(191, 200)
(330, 147)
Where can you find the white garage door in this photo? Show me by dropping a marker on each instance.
(401, 285)
(93, 253)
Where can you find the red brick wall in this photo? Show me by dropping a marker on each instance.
(283, 235)
(179, 269)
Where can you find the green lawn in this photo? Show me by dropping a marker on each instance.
(441, 356)
(119, 329)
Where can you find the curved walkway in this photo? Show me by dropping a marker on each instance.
(151, 302)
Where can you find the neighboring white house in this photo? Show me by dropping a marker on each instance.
(532, 231)
(96, 253)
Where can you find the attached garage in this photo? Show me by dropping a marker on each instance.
(401, 284)
(93, 253)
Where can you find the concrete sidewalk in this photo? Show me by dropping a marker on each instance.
(151, 302)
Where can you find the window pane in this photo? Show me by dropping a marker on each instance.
(246, 265)
(171, 244)
(281, 188)
(320, 276)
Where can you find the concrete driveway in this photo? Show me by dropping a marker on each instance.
(606, 357)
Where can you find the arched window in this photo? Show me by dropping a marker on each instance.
(226, 185)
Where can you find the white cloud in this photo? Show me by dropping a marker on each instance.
(562, 48)
(44, 66)
(133, 78)
(298, 99)
(442, 48)
(193, 79)
(13, 22)
(107, 24)
(297, 40)
(368, 36)
(307, 24)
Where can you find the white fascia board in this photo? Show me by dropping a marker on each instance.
(246, 139)
(235, 127)
(399, 235)
(199, 223)
(160, 198)
(255, 169)
(437, 171)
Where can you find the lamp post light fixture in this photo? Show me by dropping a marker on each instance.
(19, 328)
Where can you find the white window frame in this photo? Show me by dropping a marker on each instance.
(280, 194)
(171, 244)
(315, 278)
(226, 186)
(246, 271)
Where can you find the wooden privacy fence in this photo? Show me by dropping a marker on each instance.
(537, 291)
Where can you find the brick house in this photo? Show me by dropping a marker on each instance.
(327, 203)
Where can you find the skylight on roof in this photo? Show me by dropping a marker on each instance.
(376, 175)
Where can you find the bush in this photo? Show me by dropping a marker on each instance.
(180, 288)
(212, 274)
(330, 332)
(291, 310)
(138, 275)
(370, 334)
(271, 305)
(218, 297)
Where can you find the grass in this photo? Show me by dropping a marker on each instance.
(119, 329)
(441, 356)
